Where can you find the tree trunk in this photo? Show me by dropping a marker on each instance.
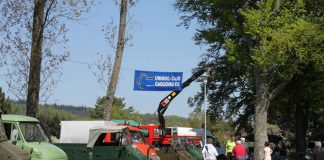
(263, 99)
(35, 59)
(261, 115)
(2, 100)
(301, 116)
(118, 58)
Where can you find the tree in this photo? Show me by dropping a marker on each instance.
(34, 41)
(5, 106)
(285, 43)
(217, 127)
(301, 99)
(101, 69)
(51, 118)
(265, 42)
(196, 119)
(35, 59)
(119, 110)
(111, 88)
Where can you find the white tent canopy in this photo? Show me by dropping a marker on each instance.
(78, 131)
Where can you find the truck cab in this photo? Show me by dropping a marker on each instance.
(28, 134)
(9, 151)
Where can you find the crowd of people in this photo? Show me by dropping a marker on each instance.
(238, 149)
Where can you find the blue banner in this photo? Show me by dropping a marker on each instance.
(157, 81)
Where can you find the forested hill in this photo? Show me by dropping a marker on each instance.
(83, 112)
(18, 107)
(51, 115)
(171, 120)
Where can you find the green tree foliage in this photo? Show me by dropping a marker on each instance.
(119, 110)
(4, 104)
(257, 47)
(81, 111)
(196, 119)
(176, 121)
(172, 120)
(51, 118)
(288, 43)
(230, 83)
(219, 128)
(298, 109)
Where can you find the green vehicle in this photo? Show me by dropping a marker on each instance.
(110, 143)
(9, 151)
(28, 134)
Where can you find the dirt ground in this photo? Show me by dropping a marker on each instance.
(171, 154)
(167, 154)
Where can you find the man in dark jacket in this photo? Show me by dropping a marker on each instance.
(318, 152)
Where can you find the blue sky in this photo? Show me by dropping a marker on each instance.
(159, 45)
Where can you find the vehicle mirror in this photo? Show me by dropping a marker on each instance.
(14, 136)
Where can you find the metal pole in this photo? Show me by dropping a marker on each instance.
(205, 83)
(205, 79)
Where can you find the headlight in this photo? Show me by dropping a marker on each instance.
(154, 158)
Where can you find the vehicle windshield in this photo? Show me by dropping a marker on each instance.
(33, 132)
(137, 137)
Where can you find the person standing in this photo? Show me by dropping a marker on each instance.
(209, 151)
(229, 147)
(239, 151)
(318, 152)
(246, 145)
(267, 151)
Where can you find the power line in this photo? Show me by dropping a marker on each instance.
(122, 68)
(6, 74)
(79, 62)
(89, 64)
(83, 63)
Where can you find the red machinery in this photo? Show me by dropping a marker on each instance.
(155, 136)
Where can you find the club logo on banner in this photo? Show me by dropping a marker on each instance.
(157, 81)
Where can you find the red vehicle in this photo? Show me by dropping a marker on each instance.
(152, 136)
(155, 137)
(138, 140)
